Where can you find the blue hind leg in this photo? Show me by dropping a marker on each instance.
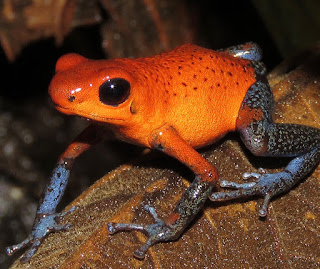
(263, 137)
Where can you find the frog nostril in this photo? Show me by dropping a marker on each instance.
(71, 98)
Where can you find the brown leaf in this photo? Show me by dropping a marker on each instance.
(225, 235)
(26, 21)
(165, 24)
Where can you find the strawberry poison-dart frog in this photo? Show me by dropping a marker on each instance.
(175, 102)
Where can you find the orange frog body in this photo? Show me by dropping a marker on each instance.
(166, 89)
(174, 102)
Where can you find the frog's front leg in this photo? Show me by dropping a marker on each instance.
(168, 140)
(265, 138)
(47, 220)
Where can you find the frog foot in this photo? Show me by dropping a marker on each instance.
(43, 226)
(157, 232)
(267, 185)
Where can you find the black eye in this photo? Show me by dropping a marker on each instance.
(114, 91)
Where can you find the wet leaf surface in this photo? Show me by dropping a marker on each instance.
(224, 235)
(23, 22)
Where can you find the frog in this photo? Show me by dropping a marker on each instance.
(175, 102)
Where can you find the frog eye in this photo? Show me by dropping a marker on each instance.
(114, 91)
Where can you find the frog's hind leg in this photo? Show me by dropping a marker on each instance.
(263, 137)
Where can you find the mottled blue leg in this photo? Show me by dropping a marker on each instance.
(169, 141)
(171, 228)
(47, 221)
(265, 138)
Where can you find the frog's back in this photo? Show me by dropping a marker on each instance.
(202, 90)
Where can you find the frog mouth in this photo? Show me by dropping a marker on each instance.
(64, 110)
(94, 117)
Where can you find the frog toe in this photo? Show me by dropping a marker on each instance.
(267, 186)
(230, 195)
(42, 227)
(28, 255)
(243, 192)
(64, 227)
(264, 207)
(33, 249)
(157, 232)
(12, 249)
(234, 185)
(57, 217)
